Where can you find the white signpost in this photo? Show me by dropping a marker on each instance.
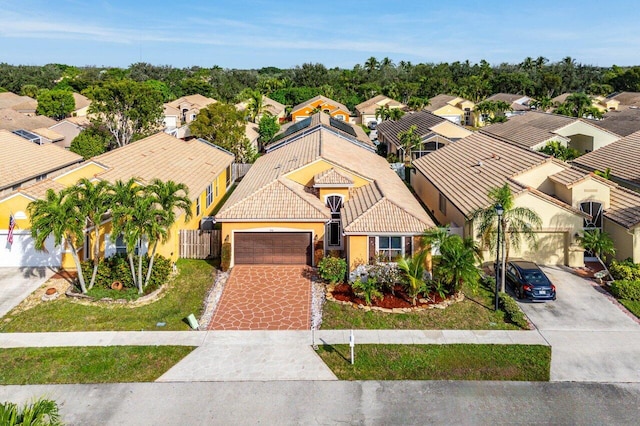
(352, 344)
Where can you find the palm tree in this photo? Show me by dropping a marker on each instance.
(576, 105)
(58, 215)
(371, 64)
(383, 112)
(597, 242)
(413, 270)
(409, 139)
(169, 197)
(544, 103)
(517, 223)
(93, 200)
(457, 263)
(255, 105)
(395, 114)
(124, 196)
(41, 412)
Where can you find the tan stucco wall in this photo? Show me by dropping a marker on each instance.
(627, 243)
(591, 190)
(430, 197)
(449, 110)
(538, 177)
(584, 136)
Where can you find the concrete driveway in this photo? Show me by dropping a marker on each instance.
(17, 283)
(592, 337)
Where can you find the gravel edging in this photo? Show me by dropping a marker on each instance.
(213, 298)
(318, 293)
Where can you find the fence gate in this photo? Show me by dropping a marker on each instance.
(197, 244)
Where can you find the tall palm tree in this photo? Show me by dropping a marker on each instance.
(597, 242)
(517, 223)
(58, 215)
(255, 105)
(93, 201)
(457, 263)
(383, 112)
(413, 269)
(371, 64)
(395, 114)
(409, 140)
(170, 197)
(543, 103)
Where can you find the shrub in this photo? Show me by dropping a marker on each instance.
(369, 289)
(225, 257)
(386, 274)
(116, 268)
(332, 269)
(512, 310)
(625, 270)
(626, 289)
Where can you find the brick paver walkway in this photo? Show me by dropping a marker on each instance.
(265, 297)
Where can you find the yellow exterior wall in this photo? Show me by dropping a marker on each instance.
(305, 175)
(430, 195)
(450, 110)
(308, 110)
(16, 205)
(88, 171)
(357, 250)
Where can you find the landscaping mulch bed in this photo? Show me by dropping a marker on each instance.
(397, 299)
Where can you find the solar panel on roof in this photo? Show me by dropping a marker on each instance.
(302, 124)
(341, 125)
(31, 137)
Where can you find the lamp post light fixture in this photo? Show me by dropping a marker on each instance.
(499, 211)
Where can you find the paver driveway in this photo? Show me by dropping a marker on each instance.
(265, 297)
(591, 337)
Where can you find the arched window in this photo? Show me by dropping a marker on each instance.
(334, 227)
(594, 209)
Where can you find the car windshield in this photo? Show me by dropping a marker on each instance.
(535, 277)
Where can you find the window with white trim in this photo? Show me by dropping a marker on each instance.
(209, 195)
(442, 204)
(198, 206)
(334, 226)
(390, 248)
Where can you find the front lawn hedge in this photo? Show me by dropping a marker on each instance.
(626, 289)
(511, 308)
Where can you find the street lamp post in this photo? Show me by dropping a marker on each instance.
(499, 212)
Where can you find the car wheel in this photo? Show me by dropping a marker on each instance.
(519, 293)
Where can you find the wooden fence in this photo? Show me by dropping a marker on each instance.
(239, 170)
(196, 244)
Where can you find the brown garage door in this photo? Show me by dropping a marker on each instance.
(285, 248)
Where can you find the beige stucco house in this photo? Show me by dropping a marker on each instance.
(366, 111)
(274, 108)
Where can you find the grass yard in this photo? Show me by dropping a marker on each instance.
(439, 362)
(112, 364)
(474, 313)
(632, 305)
(185, 296)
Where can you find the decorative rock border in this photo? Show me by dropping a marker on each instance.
(318, 292)
(458, 297)
(141, 301)
(213, 298)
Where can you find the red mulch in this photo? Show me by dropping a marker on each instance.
(63, 273)
(400, 299)
(590, 268)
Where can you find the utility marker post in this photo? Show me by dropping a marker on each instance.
(352, 344)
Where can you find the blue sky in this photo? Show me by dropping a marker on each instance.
(282, 33)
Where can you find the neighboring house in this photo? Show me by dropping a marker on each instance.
(626, 99)
(187, 108)
(453, 108)
(24, 162)
(600, 102)
(366, 111)
(435, 132)
(323, 104)
(535, 129)
(69, 128)
(82, 105)
(621, 157)
(274, 108)
(453, 182)
(251, 133)
(321, 190)
(11, 119)
(49, 136)
(622, 122)
(21, 104)
(204, 168)
(520, 104)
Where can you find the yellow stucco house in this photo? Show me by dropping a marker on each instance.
(454, 108)
(204, 168)
(454, 181)
(322, 103)
(321, 188)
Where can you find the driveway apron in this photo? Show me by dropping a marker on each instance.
(17, 283)
(592, 337)
(265, 297)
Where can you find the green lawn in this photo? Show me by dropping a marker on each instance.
(113, 364)
(474, 313)
(439, 362)
(185, 296)
(632, 305)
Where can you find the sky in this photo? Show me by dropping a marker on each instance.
(282, 33)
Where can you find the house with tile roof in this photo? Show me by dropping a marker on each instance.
(274, 108)
(11, 119)
(18, 103)
(623, 121)
(453, 183)
(626, 99)
(320, 190)
(453, 108)
(434, 131)
(320, 103)
(68, 128)
(600, 102)
(534, 129)
(186, 108)
(366, 111)
(204, 168)
(519, 103)
(82, 105)
(622, 158)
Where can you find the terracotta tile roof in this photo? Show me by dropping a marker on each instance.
(14, 120)
(49, 134)
(194, 163)
(625, 207)
(569, 177)
(39, 190)
(168, 110)
(530, 129)
(622, 157)
(622, 122)
(80, 121)
(254, 192)
(439, 101)
(17, 102)
(332, 177)
(423, 120)
(560, 99)
(274, 108)
(465, 171)
(81, 100)
(251, 131)
(21, 160)
(371, 105)
(627, 98)
(198, 101)
(335, 105)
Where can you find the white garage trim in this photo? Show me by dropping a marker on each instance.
(23, 253)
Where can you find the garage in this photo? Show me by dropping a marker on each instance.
(272, 248)
(23, 253)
